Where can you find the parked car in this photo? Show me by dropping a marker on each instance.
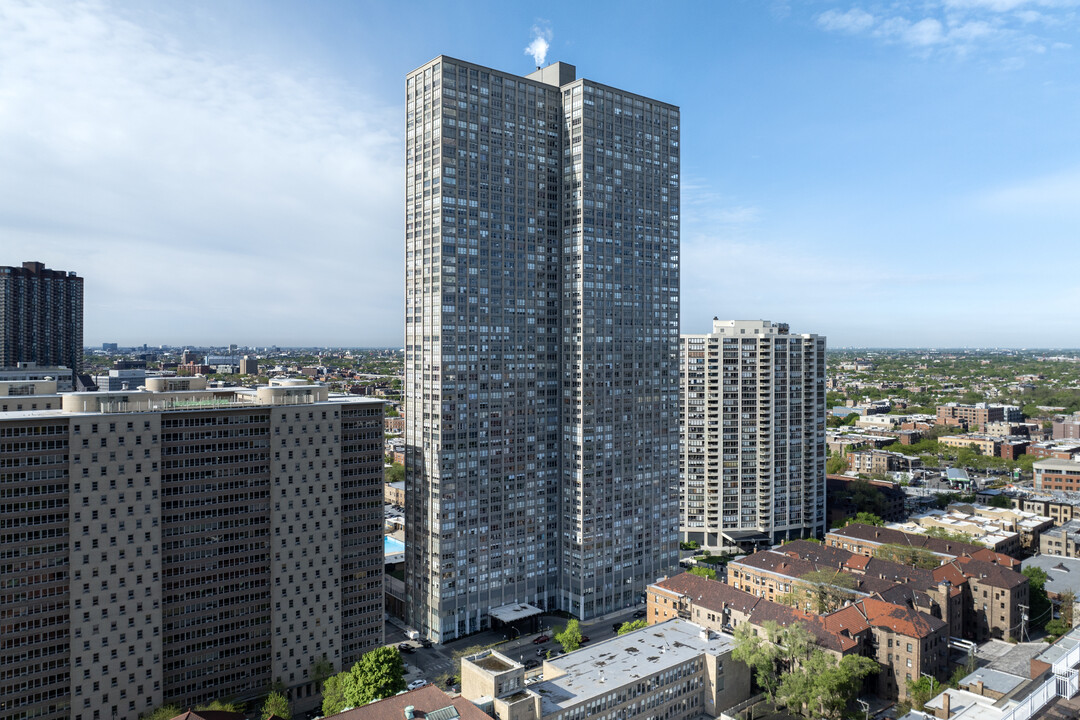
(415, 684)
(406, 647)
(639, 613)
(584, 638)
(540, 639)
(425, 642)
(531, 663)
(615, 627)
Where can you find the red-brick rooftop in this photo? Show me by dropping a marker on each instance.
(902, 620)
(425, 700)
(709, 594)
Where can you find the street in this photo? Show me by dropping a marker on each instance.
(430, 663)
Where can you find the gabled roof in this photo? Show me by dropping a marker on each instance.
(990, 574)
(210, 715)
(848, 618)
(899, 619)
(427, 702)
(709, 594)
(786, 616)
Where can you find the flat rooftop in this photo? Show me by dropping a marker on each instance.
(996, 680)
(964, 705)
(598, 669)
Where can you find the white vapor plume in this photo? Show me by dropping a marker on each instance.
(539, 46)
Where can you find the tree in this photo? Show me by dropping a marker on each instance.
(570, 637)
(276, 704)
(1066, 601)
(942, 533)
(223, 705)
(823, 687)
(759, 654)
(633, 625)
(1057, 627)
(907, 555)
(165, 712)
(867, 518)
(396, 473)
(334, 690)
(1041, 610)
(821, 591)
(836, 464)
(378, 674)
(921, 691)
(320, 670)
(703, 572)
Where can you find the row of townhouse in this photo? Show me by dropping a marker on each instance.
(993, 589)
(904, 641)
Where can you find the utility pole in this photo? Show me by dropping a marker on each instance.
(1023, 621)
(865, 706)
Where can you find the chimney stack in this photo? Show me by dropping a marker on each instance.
(979, 687)
(945, 706)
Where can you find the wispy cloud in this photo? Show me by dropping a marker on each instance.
(957, 26)
(237, 200)
(1057, 194)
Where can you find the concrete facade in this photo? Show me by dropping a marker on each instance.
(752, 451)
(200, 544)
(541, 342)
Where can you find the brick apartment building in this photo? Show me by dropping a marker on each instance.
(840, 504)
(1055, 474)
(905, 641)
(967, 416)
(879, 462)
(992, 587)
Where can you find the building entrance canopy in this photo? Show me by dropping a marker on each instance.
(514, 612)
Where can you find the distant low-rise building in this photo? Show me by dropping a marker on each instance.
(1063, 541)
(984, 444)
(395, 493)
(1054, 474)
(880, 462)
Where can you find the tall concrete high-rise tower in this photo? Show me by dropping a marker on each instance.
(752, 465)
(41, 316)
(542, 321)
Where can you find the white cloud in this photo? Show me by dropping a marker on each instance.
(927, 31)
(202, 198)
(852, 21)
(958, 26)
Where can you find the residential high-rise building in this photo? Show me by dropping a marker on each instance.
(752, 460)
(41, 317)
(185, 544)
(542, 317)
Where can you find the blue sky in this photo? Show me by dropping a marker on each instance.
(884, 173)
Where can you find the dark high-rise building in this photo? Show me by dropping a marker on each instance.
(542, 328)
(41, 316)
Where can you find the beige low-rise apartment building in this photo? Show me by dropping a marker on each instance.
(984, 444)
(880, 462)
(675, 670)
(1063, 541)
(976, 530)
(1060, 507)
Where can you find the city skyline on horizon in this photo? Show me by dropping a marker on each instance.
(177, 157)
